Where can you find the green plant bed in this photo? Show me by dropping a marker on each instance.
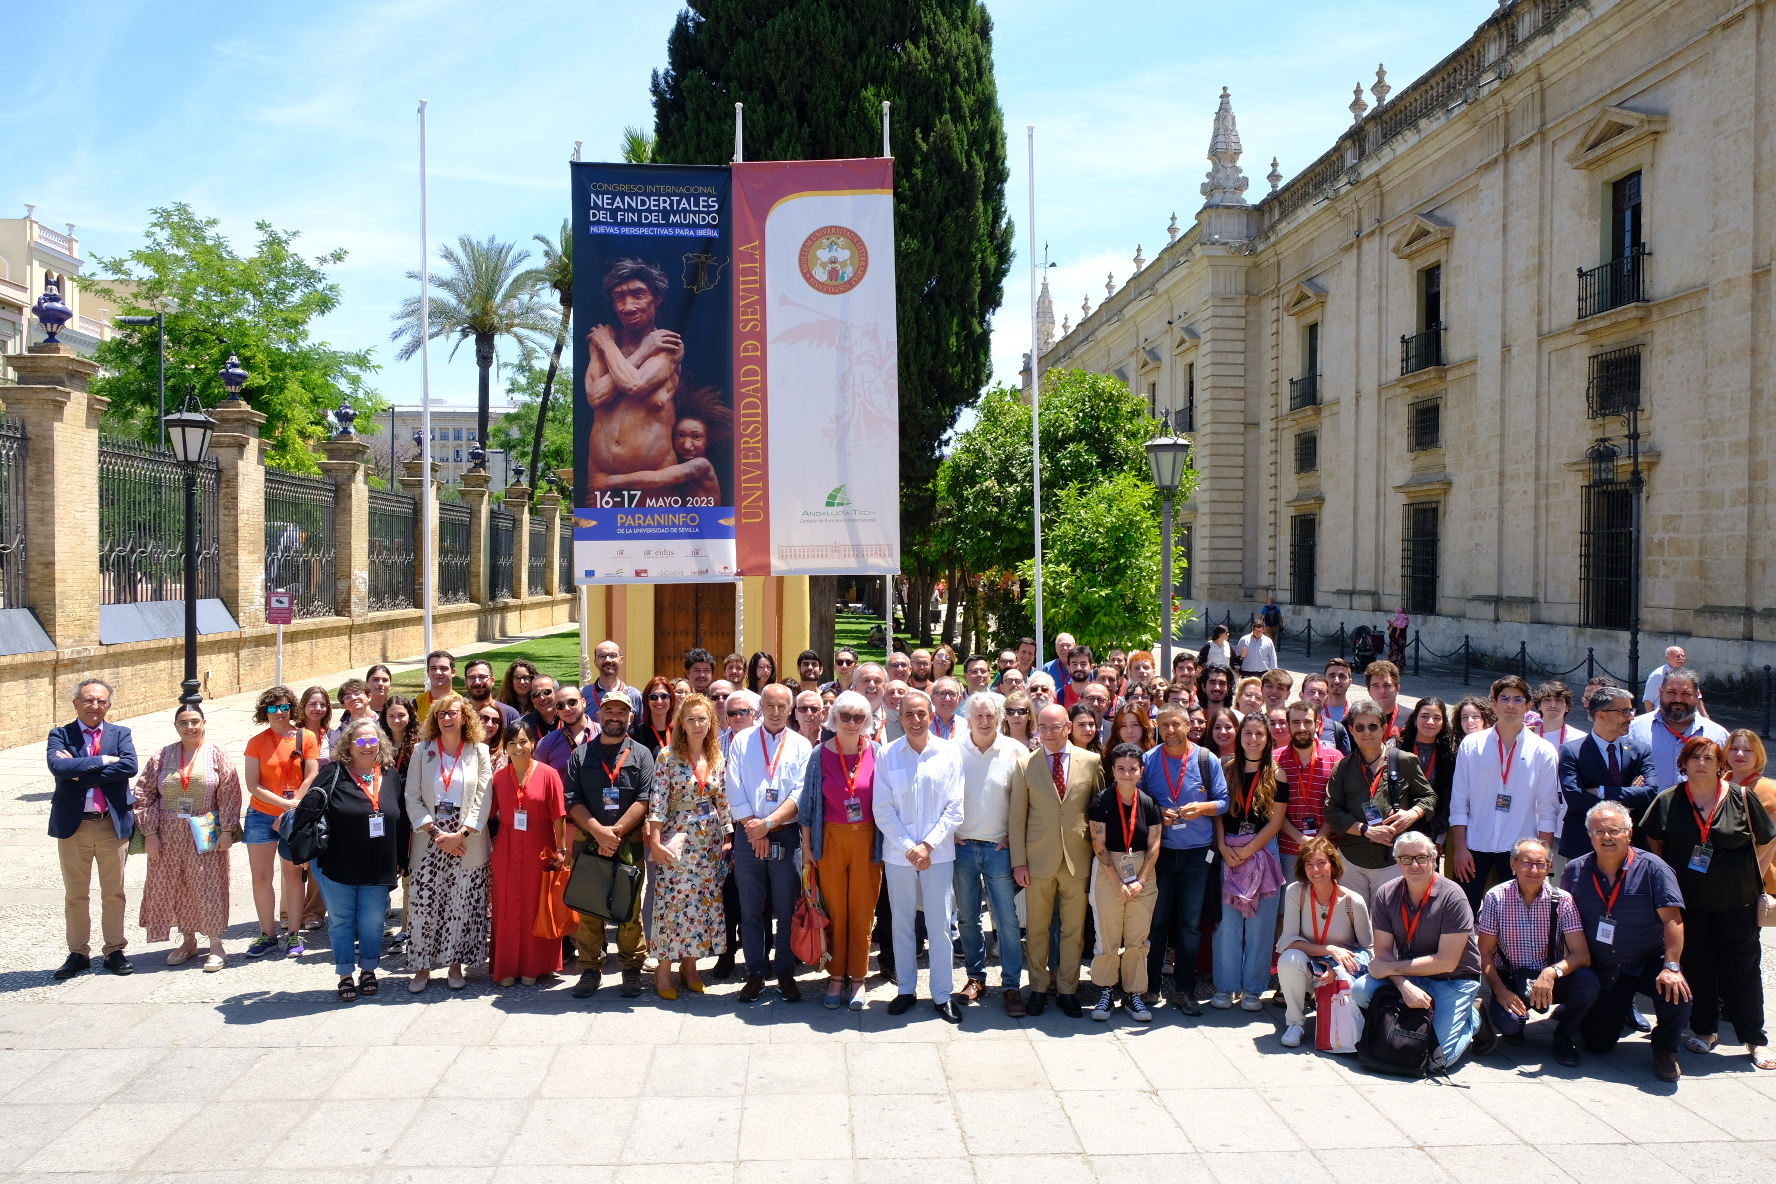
(853, 629)
(557, 654)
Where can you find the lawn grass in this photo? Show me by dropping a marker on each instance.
(851, 629)
(557, 654)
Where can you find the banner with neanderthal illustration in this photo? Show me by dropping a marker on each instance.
(816, 380)
(653, 365)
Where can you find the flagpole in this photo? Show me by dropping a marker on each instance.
(583, 591)
(428, 561)
(1035, 392)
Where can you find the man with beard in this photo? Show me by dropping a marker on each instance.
(607, 659)
(919, 679)
(1677, 719)
(632, 377)
(479, 681)
(1079, 672)
(608, 785)
(699, 667)
(1215, 688)
(1308, 763)
(1338, 682)
(572, 729)
(1316, 691)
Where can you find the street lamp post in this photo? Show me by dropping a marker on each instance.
(188, 431)
(158, 320)
(1167, 455)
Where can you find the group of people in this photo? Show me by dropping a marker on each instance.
(1489, 861)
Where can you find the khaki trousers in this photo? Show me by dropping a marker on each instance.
(589, 939)
(1039, 906)
(96, 842)
(1120, 956)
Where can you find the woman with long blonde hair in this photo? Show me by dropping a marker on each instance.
(689, 832)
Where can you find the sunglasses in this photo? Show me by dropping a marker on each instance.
(1365, 727)
(739, 713)
(366, 741)
(845, 662)
(567, 702)
(810, 708)
(277, 708)
(659, 697)
(852, 717)
(1017, 711)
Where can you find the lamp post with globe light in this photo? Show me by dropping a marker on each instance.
(188, 433)
(1168, 455)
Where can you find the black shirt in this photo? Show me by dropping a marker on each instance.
(589, 776)
(1239, 784)
(1732, 879)
(643, 734)
(353, 856)
(1107, 808)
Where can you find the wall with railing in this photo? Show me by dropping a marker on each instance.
(92, 556)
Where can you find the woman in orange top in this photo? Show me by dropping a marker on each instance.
(280, 764)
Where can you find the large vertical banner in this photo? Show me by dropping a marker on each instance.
(653, 361)
(816, 385)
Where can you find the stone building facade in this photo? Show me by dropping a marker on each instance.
(1406, 368)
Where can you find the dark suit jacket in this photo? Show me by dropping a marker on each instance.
(1585, 781)
(78, 774)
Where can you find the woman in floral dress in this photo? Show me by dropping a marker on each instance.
(689, 832)
(448, 786)
(188, 787)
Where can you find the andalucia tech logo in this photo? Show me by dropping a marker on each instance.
(833, 260)
(838, 497)
(838, 508)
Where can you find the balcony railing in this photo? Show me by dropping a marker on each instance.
(1420, 351)
(1304, 392)
(1614, 284)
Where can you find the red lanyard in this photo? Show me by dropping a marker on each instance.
(610, 770)
(699, 771)
(1128, 823)
(1505, 761)
(1411, 920)
(1676, 735)
(1376, 783)
(1431, 763)
(1393, 725)
(659, 739)
(373, 790)
(1609, 902)
(765, 750)
(1174, 790)
(1543, 732)
(851, 771)
(185, 773)
(1245, 805)
(1313, 915)
(1702, 826)
(1307, 772)
(448, 775)
(944, 731)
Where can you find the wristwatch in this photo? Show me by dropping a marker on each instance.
(1677, 966)
(1558, 973)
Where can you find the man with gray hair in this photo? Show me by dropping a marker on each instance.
(990, 760)
(1674, 660)
(1631, 911)
(91, 821)
(1677, 719)
(1605, 766)
(1530, 963)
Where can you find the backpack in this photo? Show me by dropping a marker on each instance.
(306, 830)
(1399, 1040)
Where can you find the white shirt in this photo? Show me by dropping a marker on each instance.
(1260, 654)
(1561, 737)
(1531, 797)
(918, 798)
(1219, 654)
(1654, 681)
(986, 787)
(1650, 730)
(756, 789)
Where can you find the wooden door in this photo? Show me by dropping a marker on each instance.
(691, 615)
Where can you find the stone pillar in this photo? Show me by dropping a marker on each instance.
(474, 495)
(424, 502)
(351, 523)
(239, 453)
(548, 506)
(518, 502)
(61, 418)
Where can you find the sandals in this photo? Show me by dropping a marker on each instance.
(835, 994)
(348, 990)
(1699, 1045)
(1762, 1058)
(367, 984)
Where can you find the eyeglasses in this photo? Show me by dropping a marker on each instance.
(1511, 701)
(1610, 832)
(366, 741)
(852, 717)
(450, 713)
(1533, 865)
(1614, 711)
(1416, 860)
(276, 708)
(659, 697)
(1051, 728)
(1376, 727)
(89, 701)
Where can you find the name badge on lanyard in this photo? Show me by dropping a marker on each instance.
(1701, 855)
(377, 825)
(853, 810)
(1606, 931)
(521, 820)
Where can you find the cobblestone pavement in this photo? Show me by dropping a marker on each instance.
(255, 1073)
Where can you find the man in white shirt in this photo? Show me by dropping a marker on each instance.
(1674, 660)
(872, 683)
(765, 768)
(607, 659)
(1507, 787)
(977, 679)
(1677, 719)
(946, 701)
(983, 851)
(1255, 652)
(917, 806)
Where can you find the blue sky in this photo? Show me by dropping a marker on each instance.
(304, 115)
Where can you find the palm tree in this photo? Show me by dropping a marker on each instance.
(482, 295)
(638, 146)
(556, 274)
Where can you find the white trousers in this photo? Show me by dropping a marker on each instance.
(936, 887)
(1365, 880)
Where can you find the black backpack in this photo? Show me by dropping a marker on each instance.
(1399, 1040)
(307, 827)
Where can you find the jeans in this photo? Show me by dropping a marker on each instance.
(934, 891)
(1574, 995)
(355, 914)
(1453, 1015)
(768, 888)
(988, 864)
(1183, 878)
(1486, 864)
(1243, 946)
(1602, 1026)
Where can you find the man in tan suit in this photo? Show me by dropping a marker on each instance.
(1051, 852)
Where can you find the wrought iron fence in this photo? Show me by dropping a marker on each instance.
(392, 549)
(12, 514)
(567, 551)
(142, 524)
(1613, 284)
(1304, 392)
(453, 553)
(1421, 351)
(502, 541)
(301, 546)
(537, 574)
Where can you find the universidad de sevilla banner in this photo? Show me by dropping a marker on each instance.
(816, 379)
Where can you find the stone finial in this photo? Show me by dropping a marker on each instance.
(30, 210)
(1109, 284)
(70, 227)
(1172, 229)
(1226, 184)
(1066, 325)
(1275, 176)
(1140, 258)
(1085, 308)
(1381, 90)
(1357, 106)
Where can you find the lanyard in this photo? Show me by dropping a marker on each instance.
(1313, 915)
(185, 773)
(373, 790)
(1676, 735)
(851, 771)
(944, 731)
(765, 751)
(699, 771)
(1704, 826)
(1411, 920)
(1609, 902)
(1245, 805)
(610, 770)
(1307, 772)
(447, 775)
(1506, 760)
(1128, 823)
(1375, 784)
(659, 739)
(1430, 762)
(1174, 790)
(1543, 732)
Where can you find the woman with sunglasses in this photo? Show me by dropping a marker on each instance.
(652, 729)
(363, 801)
(836, 811)
(280, 764)
(1020, 718)
(447, 789)
(1377, 794)
(188, 802)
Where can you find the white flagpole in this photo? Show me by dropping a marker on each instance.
(429, 559)
(887, 153)
(739, 122)
(584, 590)
(1035, 392)
(888, 581)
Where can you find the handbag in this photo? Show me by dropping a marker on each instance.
(807, 929)
(1399, 1040)
(603, 886)
(554, 920)
(1339, 1023)
(673, 844)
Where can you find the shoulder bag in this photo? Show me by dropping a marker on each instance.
(807, 934)
(1399, 1040)
(603, 886)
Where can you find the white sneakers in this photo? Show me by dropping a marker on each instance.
(1292, 1036)
(1222, 1001)
(1251, 1003)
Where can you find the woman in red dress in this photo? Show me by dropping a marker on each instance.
(531, 807)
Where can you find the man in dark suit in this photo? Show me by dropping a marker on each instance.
(91, 821)
(1605, 766)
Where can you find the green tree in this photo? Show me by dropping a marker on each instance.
(260, 306)
(483, 295)
(535, 421)
(556, 275)
(813, 76)
(638, 146)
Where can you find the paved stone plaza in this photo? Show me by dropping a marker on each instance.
(255, 1073)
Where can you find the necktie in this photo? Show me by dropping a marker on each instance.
(1615, 767)
(97, 805)
(1060, 775)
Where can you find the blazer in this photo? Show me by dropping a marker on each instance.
(77, 775)
(1585, 781)
(1047, 832)
(476, 770)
